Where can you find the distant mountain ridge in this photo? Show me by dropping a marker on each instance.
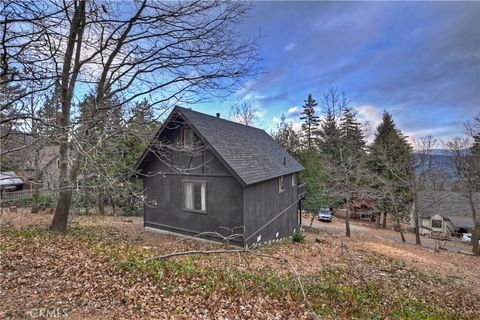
(442, 160)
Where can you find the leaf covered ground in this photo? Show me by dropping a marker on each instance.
(98, 270)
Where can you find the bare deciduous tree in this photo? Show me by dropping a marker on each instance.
(168, 52)
(245, 113)
(465, 163)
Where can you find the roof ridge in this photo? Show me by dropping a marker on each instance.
(223, 119)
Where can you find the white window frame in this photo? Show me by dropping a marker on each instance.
(294, 179)
(281, 184)
(203, 195)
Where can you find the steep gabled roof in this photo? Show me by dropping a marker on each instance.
(450, 205)
(250, 153)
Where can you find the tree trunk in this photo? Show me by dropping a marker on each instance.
(66, 86)
(475, 237)
(37, 178)
(476, 226)
(60, 218)
(400, 229)
(35, 198)
(347, 219)
(378, 218)
(384, 223)
(112, 203)
(416, 220)
(101, 202)
(313, 218)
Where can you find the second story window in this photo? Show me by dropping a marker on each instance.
(281, 184)
(294, 180)
(187, 137)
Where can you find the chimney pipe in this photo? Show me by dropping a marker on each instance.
(218, 115)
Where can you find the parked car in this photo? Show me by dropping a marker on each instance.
(325, 214)
(467, 237)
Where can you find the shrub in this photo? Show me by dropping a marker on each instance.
(46, 199)
(298, 235)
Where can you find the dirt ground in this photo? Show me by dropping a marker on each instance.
(337, 226)
(372, 258)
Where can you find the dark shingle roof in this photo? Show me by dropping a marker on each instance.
(250, 152)
(449, 204)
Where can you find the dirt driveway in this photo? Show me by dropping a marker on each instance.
(337, 227)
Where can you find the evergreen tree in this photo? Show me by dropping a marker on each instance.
(287, 137)
(315, 177)
(329, 136)
(390, 159)
(475, 159)
(334, 102)
(310, 121)
(351, 135)
(346, 168)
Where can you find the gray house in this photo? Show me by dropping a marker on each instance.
(207, 175)
(445, 212)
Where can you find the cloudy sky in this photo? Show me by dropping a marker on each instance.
(419, 61)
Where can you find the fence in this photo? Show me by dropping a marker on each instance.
(19, 198)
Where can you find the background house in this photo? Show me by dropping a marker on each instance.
(204, 174)
(34, 160)
(445, 212)
(10, 181)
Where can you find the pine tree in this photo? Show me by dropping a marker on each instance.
(346, 168)
(334, 102)
(329, 136)
(311, 121)
(287, 137)
(390, 160)
(351, 135)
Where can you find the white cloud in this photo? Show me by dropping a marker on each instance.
(290, 46)
(371, 117)
(245, 88)
(293, 110)
(371, 114)
(253, 95)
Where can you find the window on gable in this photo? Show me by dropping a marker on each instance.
(281, 184)
(189, 138)
(437, 224)
(294, 179)
(195, 196)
